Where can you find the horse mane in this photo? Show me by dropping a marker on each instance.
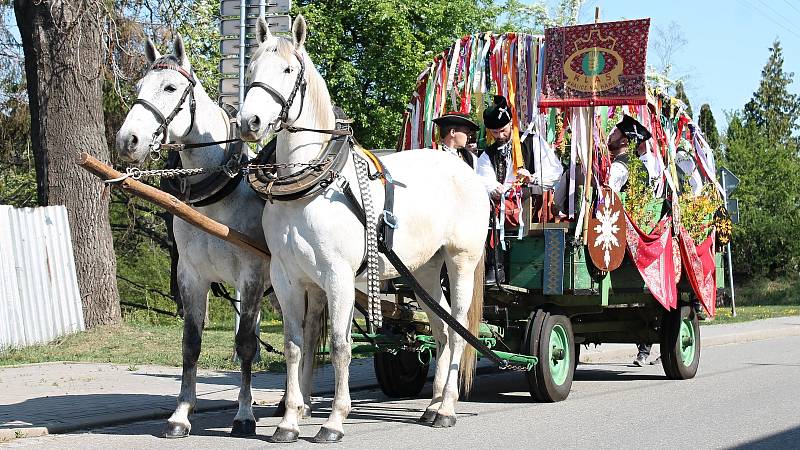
(317, 90)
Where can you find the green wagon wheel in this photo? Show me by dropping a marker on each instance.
(550, 339)
(687, 342)
(680, 343)
(559, 358)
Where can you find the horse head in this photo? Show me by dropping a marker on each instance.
(278, 75)
(165, 104)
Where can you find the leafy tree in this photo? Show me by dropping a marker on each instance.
(370, 53)
(773, 110)
(709, 126)
(762, 151)
(680, 94)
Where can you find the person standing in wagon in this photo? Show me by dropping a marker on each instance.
(455, 130)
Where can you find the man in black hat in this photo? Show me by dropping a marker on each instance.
(495, 165)
(627, 131)
(456, 130)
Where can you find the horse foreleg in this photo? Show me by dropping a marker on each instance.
(244, 424)
(290, 296)
(340, 289)
(194, 298)
(428, 277)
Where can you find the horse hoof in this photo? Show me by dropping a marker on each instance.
(328, 436)
(306, 411)
(428, 416)
(175, 430)
(442, 421)
(283, 436)
(280, 410)
(242, 428)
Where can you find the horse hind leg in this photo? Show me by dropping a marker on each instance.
(429, 278)
(244, 424)
(461, 268)
(314, 335)
(195, 296)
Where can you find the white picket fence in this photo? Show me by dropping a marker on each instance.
(39, 297)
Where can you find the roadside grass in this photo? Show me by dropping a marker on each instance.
(135, 343)
(749, 313)
(148, 338)
(765, 291)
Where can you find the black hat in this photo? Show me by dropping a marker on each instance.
(634, 130)
(456, 119)
(498, 114)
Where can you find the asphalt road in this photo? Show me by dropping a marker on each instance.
(745, 395)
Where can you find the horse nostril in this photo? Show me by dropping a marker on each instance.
(132, 141)
(254, 123)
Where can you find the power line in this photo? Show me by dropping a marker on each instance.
(751, 6)
(790, 4)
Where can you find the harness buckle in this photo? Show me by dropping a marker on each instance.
(390, 219)
(155, 151)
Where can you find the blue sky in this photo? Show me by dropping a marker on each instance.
(728, 43)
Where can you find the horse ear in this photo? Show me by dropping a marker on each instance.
(262, 29)
(180, 51)
(150, 51)
(299, 31)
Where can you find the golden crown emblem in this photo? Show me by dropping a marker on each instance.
(595, 36)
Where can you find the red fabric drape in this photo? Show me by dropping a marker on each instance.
(654, 257)
(701, 269)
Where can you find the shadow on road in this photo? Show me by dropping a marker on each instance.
(784, 439)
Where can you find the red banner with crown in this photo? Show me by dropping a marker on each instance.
(594, 65)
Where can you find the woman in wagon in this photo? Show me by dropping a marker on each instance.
(455, 133)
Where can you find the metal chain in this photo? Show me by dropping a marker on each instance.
(373, 283)
(137, 173)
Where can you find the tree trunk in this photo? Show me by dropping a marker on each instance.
(63, 47)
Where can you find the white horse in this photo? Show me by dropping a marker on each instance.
(165, 98)
(318, 243)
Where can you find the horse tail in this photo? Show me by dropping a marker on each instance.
(474, 317)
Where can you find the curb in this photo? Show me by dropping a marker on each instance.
(7, 435)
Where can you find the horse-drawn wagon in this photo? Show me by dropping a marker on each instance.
(594, 273)
(555, 296)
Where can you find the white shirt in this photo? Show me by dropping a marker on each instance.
(618, 175)
(485, 170)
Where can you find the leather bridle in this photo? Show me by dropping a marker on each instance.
(286, 104)
(164, 121)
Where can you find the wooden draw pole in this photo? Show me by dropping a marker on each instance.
(210, 226)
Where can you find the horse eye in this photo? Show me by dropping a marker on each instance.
(287, 70)
(170, 88)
